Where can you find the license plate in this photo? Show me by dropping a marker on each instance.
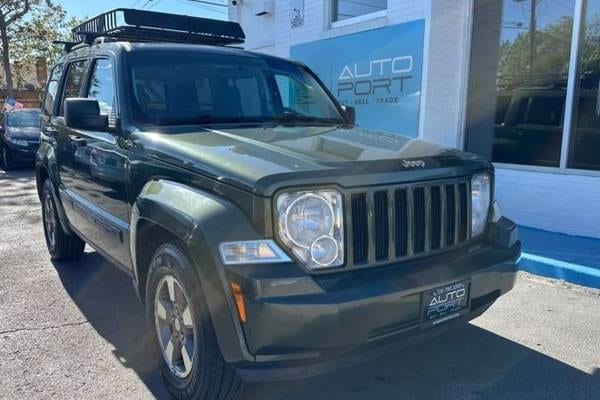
(445, 303)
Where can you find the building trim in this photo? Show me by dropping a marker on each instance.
(425, 69)
(571, 84)
(548, 170)
(464, 84)
(355, 20)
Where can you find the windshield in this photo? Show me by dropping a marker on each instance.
(23, 119)
(185, 87)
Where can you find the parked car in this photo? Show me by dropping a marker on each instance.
(529, 127)
(19, 137)
(266, 234)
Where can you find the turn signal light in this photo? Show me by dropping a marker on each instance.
(239, 300)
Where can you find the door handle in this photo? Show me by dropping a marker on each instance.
(50, 131)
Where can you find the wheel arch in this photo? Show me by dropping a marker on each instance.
(167, 210)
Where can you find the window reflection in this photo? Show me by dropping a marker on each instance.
(345, 9)
(585, 139)
(533, 69)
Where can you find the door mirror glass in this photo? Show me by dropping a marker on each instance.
(350, 114)
(84, 114)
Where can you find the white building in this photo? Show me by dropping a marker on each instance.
(467, 74)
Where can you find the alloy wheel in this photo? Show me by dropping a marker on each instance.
(175, 326)
(49, 220)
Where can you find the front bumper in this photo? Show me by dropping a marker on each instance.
(22, 154)
(300, 325)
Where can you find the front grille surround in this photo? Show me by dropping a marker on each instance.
(421, 219)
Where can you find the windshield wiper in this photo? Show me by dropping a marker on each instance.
(303, 118)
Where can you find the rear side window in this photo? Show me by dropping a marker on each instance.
(51, 90)
(502, 104)
(73, 81)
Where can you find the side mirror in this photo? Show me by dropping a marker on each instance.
(81, 113)
(350, 114)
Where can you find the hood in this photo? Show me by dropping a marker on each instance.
(24, 133)
(263, 159)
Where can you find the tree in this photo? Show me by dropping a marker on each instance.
(26, 26)
(552, 52)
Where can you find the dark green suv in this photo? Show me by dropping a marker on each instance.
(267, 236)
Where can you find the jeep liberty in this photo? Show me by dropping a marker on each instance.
(267, 236)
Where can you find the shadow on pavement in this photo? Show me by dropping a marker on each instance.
(469, 363)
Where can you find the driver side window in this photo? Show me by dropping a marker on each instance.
(73, 82)
(102, 88)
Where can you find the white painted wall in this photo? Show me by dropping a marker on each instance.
(445, 53)
(557, 202)
(552, 201)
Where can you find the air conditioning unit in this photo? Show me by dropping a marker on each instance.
(264, 8)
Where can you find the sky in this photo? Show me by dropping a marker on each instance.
(517, 13)
(90, 8)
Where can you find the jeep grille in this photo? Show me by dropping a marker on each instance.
(393, 223)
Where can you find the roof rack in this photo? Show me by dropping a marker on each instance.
(150, 26)
(68, 45)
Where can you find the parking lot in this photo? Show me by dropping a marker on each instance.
(78, 331)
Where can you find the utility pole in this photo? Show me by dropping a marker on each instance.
(532, 34)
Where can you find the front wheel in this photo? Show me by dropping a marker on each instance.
(4, 159)
(61, 245)
(188, 354)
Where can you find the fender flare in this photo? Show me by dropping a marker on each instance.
(201, 221)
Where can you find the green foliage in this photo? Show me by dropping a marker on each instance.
(551, 54)
(31, 26)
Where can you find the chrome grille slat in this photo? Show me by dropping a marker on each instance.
(371, 229)
(409, 222)
(444, 222)
(391, 198)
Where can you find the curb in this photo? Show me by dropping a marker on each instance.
(551, 268)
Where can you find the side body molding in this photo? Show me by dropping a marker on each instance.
(201, 221)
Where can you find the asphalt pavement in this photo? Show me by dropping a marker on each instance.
(77, 331)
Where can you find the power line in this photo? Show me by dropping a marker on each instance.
(154, 3)
(205, 7)
(210, 3)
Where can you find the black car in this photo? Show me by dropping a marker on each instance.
(19, 137)
(266, 234)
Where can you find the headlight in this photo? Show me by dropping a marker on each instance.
(311, 225)
(18, 142)
(480, 203)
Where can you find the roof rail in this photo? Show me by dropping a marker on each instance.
(67, 45)
(150, 26)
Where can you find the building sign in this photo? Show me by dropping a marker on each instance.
(376, 71)
(297, 13)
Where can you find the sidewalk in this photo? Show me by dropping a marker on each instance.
(555, 255)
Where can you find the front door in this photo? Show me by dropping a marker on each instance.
(96, 173)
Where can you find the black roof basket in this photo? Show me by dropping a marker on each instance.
(149, 26)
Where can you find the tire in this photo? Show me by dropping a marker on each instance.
(5, 163)
(185, 324)
(61, 246)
